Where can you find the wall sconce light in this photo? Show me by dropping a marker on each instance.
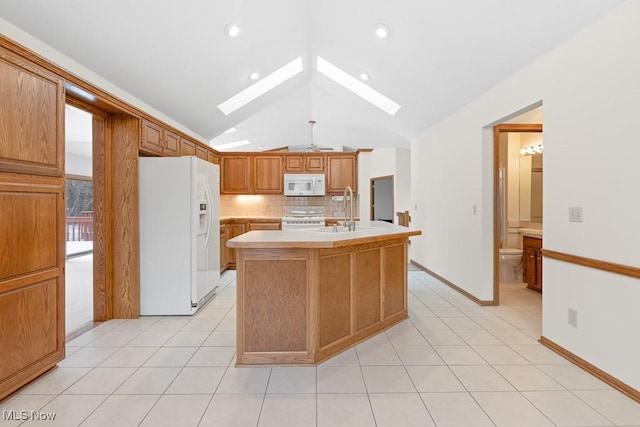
(529, 151)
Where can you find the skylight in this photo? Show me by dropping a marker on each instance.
(232, 145)
(357, 87)
(261, 87)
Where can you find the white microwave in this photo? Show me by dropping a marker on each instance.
(304, 184)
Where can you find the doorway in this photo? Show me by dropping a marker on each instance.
(79, 219)
(382, 199)
(515, 209)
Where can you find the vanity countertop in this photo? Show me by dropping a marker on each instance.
(531, 232)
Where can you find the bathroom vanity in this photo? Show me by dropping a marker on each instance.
(532, 261)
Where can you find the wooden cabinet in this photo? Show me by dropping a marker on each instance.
(158, 140)
(267, 175)
(342, 172)
(235, 174)
(305, 163)
(234, 229)
(224, 261)
(262, 173)
(314, 163)
(212, 157)
(201, 152)
(32, 221)
(187, 147)
(532, 262)
(262, 225)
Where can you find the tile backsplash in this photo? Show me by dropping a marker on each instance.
(274, 205)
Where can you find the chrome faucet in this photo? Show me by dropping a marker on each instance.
(350, 224)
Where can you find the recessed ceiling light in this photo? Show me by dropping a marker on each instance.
(232, 30)
(364, 76)
(261, 87)
(254, 76)
(357, 87)
(382, 31)
(230, 130)
(231, 145)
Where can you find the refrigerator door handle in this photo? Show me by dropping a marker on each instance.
(207, 192)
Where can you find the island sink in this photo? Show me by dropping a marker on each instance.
(305, 296)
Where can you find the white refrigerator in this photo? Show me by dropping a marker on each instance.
(179, 234)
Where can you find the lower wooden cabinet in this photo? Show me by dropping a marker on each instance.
(232, 227)
(532, 262)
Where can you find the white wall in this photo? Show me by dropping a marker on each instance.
(88, 75)
(76, 164)
(397, 162)
(589, 88)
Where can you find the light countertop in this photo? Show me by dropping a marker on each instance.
(531, 232)
(321, 237)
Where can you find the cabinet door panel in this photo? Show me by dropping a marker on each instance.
(171, 143)
(187, 148)
(32, 118)
(151, 137)
(315, 163)
(234, 175)
(201, 152)
(294, 163)
(268, 177)
(341, 173)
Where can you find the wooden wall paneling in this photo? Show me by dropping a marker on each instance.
(367, 286)
(395, 273)
(32, 257)
(102, 220)
(125, 233)
(278, 304)
(334, 298)
(32, 112)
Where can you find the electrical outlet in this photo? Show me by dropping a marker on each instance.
(573, 318)
(575, 214)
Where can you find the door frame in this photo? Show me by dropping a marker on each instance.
(372, 198)
(103, 209)
(497, 130)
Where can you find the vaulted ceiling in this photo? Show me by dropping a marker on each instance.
(176, 57)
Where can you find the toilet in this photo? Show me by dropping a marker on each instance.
(510, 265)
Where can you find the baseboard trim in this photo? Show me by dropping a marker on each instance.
(593, 370)
(453, 286)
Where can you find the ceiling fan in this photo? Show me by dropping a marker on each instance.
(311, 147)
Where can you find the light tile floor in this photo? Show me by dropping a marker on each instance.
(452, 364)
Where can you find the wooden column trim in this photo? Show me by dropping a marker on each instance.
(625, 270)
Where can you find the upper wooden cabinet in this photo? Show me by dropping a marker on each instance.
(342, 171)
(262, 173)
(158, 140)
(201, 152)
(267, 174)
(32, 118)
(235, 174)
(305, 163)
(314, 163)
(187, 147)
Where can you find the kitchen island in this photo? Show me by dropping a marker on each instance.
(306, 295)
